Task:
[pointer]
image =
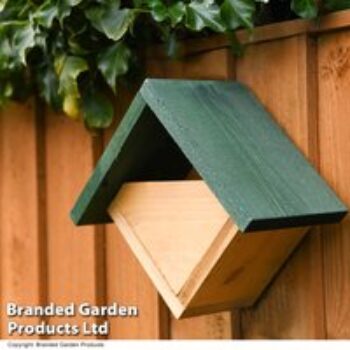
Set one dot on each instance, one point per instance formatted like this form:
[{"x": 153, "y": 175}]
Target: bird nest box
[{"x": 208, "y": 192}]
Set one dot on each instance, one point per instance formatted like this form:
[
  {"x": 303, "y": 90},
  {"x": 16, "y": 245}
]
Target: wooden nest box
[{"x": 210, "y": 241}]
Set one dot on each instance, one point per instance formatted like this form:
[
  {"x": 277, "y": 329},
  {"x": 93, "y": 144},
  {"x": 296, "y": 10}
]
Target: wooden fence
[{"x": 301, "y": 72}]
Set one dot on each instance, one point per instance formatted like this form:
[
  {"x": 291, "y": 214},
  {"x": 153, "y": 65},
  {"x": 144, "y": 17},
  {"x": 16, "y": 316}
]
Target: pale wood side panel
[
  {"x": 282, "y": 75},
  {"x": 20, "y": 230},
  {"x": 244, "y": 267},
  {"x": 75, "y": 254},
  {"x": 334, "y": 126}
]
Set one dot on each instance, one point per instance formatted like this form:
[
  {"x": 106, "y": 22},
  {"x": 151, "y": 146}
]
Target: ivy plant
[{"x": 74, "y": 53}]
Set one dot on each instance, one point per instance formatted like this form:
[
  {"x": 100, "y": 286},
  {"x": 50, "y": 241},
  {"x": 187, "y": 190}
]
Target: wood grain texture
[
  {"x": 209, "y": 266},
  {"x": 129, "y": 284},
  {"x": 241, "y": 270},
  {"x": 292, "y": 307},
  {"x": 215, "y": 326},
  {"x": 20, "y": 225},
  {"x": 150, "y": 214},
  {"x": 127, "y": 281},
  {"x": 229, "y": 138},
  {"x": 334, "y": 126},
  {"x": 157, "y": 211},
  {"x": 243, "y": 156},
  {"x": 216, "y": 64},
  {"x": 75, "y": 255}
]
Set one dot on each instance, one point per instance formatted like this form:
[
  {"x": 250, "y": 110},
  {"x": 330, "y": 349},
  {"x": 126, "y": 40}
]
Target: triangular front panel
[{"x": 176, "y": 224}]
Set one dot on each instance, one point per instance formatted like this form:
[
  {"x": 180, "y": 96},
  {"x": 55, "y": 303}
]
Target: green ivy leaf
[
  {"x": 6, "y": 91},
  {"x": 114, "y": 62},
  {"x": 68, "y": 32},
  {"x": 205, "y": 13},
  {"x": 64, "y": 8},
  {"x": 59, "y": 63},
  {"x": 5, "y": 51},
  {"x": 71, "y": 106},
  {"x": 46, "y": 13},
  {"x": 176, "y": 13},
  {"x": 2, "y": 4},
  {"x": 49, "y": 85},
  {"x": 23, "y": 39},
  {"x": 51, "y": 9},
  {"x": 159, "y": 10},
  {"x": 75, "y": 46},
  {"x": 111, "y": 20},
  {"x": 72, "y": 3},
  {"x": 71, "y": 69},
  {"x": 97, "y": 109},
  {"x": 304, "y": 8},
  {"x": 68, "y": 85},
  {"x": 237, "y": 13}
]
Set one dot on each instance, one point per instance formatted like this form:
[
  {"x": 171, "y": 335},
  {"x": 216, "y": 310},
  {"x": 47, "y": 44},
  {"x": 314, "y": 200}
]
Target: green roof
[{"x": 222, "y": 130}]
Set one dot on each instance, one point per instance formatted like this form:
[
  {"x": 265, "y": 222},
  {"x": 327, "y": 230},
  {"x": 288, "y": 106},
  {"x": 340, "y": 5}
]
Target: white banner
[{"x": 173, "y": 344}]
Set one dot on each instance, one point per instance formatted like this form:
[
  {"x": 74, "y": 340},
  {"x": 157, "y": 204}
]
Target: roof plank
[{"x": 256, "y": 172}]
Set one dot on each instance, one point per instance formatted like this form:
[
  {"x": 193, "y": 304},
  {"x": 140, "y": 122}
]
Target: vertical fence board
[
  {"x": 75, "y": 254},
  {"x": 334, "y": 107},
  {"x": 282, "y": 75},
  {"x": 216, "y": 64},
  {"x": 20, "y": 231},
  {"x": 127, "y": 283},
  {"x": 214, "y": 326}
]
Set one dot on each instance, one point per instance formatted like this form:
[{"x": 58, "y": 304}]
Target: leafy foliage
[
  {"x": 238, "y": 13},
  {"x": 304, "y": 8},
  {"x": 73, "y": 53}
]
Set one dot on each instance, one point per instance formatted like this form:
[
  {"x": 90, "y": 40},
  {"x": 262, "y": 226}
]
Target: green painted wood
[
  {"x": 219, "y": 127},
  {"x": 140, "y": 149}
]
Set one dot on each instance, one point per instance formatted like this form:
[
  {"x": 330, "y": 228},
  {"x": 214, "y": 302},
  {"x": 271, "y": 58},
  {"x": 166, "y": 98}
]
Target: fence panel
[
  {"x": 75, "y": 254},
  {"x": 281, "y": 75},
  {"x": 334, "y": 126},
  {"x": 20, "y": 225},
  {"x": 46, "y": 160}
]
